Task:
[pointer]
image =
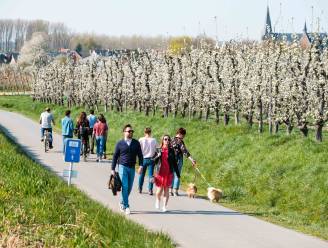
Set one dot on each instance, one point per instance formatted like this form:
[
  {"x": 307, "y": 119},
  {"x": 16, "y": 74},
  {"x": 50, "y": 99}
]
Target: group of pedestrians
[
  {"x": 89, "y": 129},
  {"x": 164, "y": 162}
]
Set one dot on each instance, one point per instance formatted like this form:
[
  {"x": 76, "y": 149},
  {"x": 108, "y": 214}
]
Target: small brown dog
[
  {"x": 191, "y": 190},
  {"x": 214, "y": 194}
]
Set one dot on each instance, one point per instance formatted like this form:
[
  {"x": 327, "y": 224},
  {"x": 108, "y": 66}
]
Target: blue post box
[{"x": 72, "y": 150}]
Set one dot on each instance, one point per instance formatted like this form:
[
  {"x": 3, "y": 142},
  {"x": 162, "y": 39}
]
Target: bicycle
[{"x": 46, "y": 140}]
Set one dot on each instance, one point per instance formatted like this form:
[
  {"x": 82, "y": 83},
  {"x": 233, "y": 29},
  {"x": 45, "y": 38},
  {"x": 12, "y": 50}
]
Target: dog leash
[{"x": 209, "y": 185}]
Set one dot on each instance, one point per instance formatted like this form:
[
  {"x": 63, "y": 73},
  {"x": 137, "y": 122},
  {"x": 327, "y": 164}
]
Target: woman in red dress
[{"x": 165, "y": 166}]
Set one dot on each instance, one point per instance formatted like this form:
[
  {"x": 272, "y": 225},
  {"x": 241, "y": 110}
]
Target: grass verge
[{"x": 37, "y": 209}]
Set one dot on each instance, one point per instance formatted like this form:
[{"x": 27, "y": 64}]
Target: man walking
[
  {"x": 67, "y": 128},
  {"x": 92, "y": 121},
  {"x": 46, "y": 118},
  {"x": 148, "y": 148},
  {"x": 180, "y": 150},
  {"x": 126, "y": 152}
]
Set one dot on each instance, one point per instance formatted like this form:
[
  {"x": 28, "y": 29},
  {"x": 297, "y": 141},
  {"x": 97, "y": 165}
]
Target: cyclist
[
  {"x": 46, "y": 118},
  {"x": 83, "y": 129}
]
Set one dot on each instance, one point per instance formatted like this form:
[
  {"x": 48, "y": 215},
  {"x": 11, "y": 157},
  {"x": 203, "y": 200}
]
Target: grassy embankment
[
  {"x": 37, "y": 209},
  {"x": 279, "y": 178}
]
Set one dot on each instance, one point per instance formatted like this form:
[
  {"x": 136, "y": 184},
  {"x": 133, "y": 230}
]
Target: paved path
[{"x": 190, "y": 222}]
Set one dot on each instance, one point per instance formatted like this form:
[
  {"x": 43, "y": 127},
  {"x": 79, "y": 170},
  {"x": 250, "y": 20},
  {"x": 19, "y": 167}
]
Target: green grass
[
  {"x": 37, "y": 209},
  {"x": 279, "y": 178}
]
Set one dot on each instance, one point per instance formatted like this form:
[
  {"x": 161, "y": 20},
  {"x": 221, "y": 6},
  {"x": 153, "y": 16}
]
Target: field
[{"x": 280, "y": 178}]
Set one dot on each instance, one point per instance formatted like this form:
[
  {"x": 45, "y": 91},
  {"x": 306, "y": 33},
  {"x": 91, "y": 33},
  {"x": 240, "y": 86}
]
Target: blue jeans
[
  {"x": 65, "y": 137},
  {"x": 127, "y": 177},
  {"x": 100, "y": 141},
  {"x": 176, "y": 180},
  {"x": 147, "y": 162},
  {"x": 50, "y": 131}
]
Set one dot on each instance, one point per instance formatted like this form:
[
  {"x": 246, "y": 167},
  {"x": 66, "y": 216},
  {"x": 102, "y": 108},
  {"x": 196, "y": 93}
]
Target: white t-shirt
[
  {"x": 148, "y": 147},
  {"x": 46, "y": 119}
]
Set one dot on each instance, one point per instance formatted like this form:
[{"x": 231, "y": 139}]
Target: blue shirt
[
  {"x": 92, "y": 120},
  {"x": 67, "y": 126},
  {"x": 127, "y": 154}
]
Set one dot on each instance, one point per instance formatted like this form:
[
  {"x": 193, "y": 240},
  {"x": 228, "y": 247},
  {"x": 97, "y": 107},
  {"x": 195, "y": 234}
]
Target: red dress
[{"x": 164, "y": 177}]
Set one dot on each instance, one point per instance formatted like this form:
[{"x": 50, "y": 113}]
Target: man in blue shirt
[
  {"x": 67, "y": 128},
  {"x": 126, "y": 152},
  {"x": 92, "y": 121}
]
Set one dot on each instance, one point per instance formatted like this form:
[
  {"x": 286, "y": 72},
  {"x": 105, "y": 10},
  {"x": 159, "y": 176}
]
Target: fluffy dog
[
  {"x": 191, "y": 190},
  {"x": 214, "y": 194}
]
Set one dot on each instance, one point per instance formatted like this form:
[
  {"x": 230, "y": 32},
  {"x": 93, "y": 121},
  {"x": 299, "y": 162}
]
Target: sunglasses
[
  {"x": 130, "y": 131},
  {"x": 167, "y": 139}
]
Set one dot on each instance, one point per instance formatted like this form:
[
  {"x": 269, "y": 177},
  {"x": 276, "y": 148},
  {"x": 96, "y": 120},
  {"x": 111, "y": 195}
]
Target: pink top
[{"x": 100, "y": 129}]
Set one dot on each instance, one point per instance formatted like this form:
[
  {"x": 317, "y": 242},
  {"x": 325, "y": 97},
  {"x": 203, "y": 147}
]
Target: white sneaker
[
  {"x": 127, "y": 211},
  {"x": 164, "y": 209},
  {"x": 121, "y": 208},
  {"x": 157, "y": 204},
  {"x": 100, "y": 159}
]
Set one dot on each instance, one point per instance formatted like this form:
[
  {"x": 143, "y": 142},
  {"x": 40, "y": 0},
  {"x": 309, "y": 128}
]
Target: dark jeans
[
  {"x": 176, "y": 180},
  {"x": 147, "y": 163},
  {"x": 65, "y": 137},
  {"x": 50, "y": 131},
  {"x": 92, "y": 140}
]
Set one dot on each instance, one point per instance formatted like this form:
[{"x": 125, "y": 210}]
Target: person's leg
[
  {"x": 131, "y": 174},
  {"x": 42, "y": 133},
  {"x": 125, "y": 186},
  {"x": 64, "y": 143},
  {"x": 165, "y": 198},
  {"x": 150, "y": 176},
  {"x": 98, "y": 146},
  {"x": 101, "y": 146},
  {"x": 105, "y": 141},
  {"x": 92, "y": 141},
  {"x": 158, "y": 196},
  {"x": 142, "y": 175},
  {"x": 176, "y": 181},
  {"x": 50, "y": 135}
]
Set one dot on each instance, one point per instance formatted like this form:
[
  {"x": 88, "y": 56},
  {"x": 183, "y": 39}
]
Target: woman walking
[
  {"x": 165, "y": 165},
  {"x": 82, "y": 127},
  {"x": 100, "y": 130}
]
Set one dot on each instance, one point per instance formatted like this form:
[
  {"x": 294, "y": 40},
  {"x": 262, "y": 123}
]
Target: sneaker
[
  {"x": 140, "y": 191},
  {"x": 157, "y": 204},
  {"x": 122, "y": 209},
  {"x": 127, "y": 211},
  {"x": 42, "y": 140},
  {"x": 100, "y": 159},
  {"x": 150, "y": 192},
  {"x": 176, "y": 193},
  {"x": 171, "y": 192},
  {"x": 97, "y": 160},
  {"x": 164, "y": 209},
  {"x": 105, "y": 156}
]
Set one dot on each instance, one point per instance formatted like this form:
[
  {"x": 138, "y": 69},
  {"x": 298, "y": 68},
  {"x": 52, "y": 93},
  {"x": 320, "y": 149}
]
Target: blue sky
[{"x": 235, "y": 18}]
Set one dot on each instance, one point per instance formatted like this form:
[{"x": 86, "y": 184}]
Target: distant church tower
[{"x": 268, "y": 27}]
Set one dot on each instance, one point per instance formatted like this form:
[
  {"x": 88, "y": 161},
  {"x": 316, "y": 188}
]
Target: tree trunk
[
  {"x": 207, "y": 115},
  {"x": 318, "y": 134},
  {"x": 304, "y": 129},
  {"x": 260, "y": 117},
  {"x": 270, "y": 126},
  {"x": 237, "y": 119},
  {"x": 226, "y": 119},
  {"x": 276, "y": 127}
]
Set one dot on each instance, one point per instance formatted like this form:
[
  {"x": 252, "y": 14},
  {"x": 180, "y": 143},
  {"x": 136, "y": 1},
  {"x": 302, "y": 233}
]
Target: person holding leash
[{"x": 180, "y": 150}]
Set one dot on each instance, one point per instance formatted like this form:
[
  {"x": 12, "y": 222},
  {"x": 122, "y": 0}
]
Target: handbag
[{"x": 115, "y": 183}]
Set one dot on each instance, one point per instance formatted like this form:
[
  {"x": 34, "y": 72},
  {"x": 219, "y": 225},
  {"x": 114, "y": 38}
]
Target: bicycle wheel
[{"x": 46, "y": 144}]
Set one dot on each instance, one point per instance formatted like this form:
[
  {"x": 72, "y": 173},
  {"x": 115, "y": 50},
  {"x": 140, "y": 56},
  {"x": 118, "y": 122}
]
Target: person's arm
[
  {"x": 139, "y": 152},
  {"x": 40, "y": 121},
  {"x": 187, "y": 153},
  {"x": 53, "y": 119},
  {"x": 115, "y": 157}
]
